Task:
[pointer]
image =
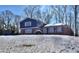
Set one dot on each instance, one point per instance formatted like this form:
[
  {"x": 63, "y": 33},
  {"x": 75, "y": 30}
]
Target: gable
[{"x": 28, "y": 23}]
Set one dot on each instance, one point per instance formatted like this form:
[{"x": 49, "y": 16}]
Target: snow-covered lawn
[{"x": 39, "y": 44}]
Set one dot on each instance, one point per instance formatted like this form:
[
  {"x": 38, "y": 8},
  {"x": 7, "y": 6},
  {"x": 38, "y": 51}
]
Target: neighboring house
[
  {"x": 29, "y": 26},
  {"x": 58, "y": 28}
]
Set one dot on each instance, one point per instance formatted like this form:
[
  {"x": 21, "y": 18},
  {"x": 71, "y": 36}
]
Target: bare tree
[
  {"x": 7, "y": 16},
  {"x": 2, "y": 23},
  {"x": 30, "y": 10},
  {"x": 17, "y": 23},
  {"x": 70, "y": 18},
  {"x": 34, "y": 11},
  {"x": 65, "y": 14},
  {"x": 75, "y": 10},
  {"x": 47, "y": 14},
  {"x": 56, "y": 10}
]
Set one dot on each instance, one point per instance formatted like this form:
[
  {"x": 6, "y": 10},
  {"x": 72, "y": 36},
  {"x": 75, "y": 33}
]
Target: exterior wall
[
  {"x": 31, "y": 30},
  {"x": 53, "y": 29},
  {"x": 65, "y": 30},
  {"x": 68, "y": 30},
  {"x": 27, "y": 29},
  {"x": 33, "y": 23}
]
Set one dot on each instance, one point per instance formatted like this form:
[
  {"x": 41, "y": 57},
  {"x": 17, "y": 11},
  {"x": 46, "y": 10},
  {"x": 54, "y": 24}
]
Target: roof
[
  {"x": 38, "y": 23},
  {"x": 33, "y": 19},
  {"x": 57, "y": 24},
  {"x": 26, "y": 19}
]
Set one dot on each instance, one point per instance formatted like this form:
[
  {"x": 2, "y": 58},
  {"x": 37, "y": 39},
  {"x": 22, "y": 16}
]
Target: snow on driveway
[{"x": 39, "y": 44}]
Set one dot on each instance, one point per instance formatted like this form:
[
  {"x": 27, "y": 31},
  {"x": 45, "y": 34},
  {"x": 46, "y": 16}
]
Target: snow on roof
[{"x": 57, "y": 24}]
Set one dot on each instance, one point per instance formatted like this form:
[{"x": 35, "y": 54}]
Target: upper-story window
[{"x": 28, "y": 23}]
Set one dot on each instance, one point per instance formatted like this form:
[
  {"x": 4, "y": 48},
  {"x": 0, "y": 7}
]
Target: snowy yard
[{"x": 39, "y": 44}]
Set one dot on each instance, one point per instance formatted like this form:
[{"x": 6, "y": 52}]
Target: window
[
  {"x": 59, "y": 29},
  {"x": 51, "y": 29},
  {"x": 28, "y": 23}
]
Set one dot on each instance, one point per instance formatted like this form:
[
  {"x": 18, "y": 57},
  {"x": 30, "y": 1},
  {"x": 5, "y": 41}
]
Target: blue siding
[{"x": 33, "y": 23}]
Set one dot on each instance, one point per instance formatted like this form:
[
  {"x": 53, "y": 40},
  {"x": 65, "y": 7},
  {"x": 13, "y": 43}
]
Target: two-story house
[{"x": 30, "y": 26}]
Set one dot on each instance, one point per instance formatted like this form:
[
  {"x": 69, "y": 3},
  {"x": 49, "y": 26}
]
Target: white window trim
[{"x": 28, "y": 23}]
